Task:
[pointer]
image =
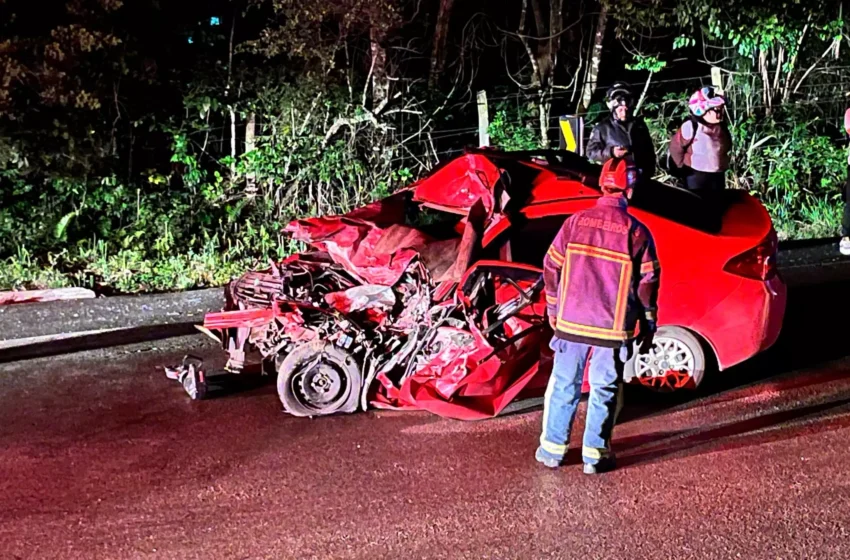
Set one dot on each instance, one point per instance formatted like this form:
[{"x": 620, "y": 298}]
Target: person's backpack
[{"x": 669, "y": 165}]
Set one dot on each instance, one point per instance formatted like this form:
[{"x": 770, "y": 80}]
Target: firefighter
[
  {"x": 702, "y": 146},
  {"x": 601, "y": 275},
  {"x": 622, "y": 134}
]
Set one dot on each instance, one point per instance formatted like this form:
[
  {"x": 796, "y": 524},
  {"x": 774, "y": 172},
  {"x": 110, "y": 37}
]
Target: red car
[{"x": 433, "y": 298}]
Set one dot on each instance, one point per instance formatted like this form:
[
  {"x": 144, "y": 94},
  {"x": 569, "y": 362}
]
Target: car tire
[
  {"x": 318, "y": 379},
  {"x": 673, "y": 346}
]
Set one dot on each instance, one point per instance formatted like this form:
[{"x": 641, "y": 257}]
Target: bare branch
[
  {"x": 309, "y": 114},
  {"x": 643, "y": 93},
  {"x": 521, "y": 35},
  {"x": 401, "y": 110},
  {"x": 595, "y": 60},
  {"x": 535, "y": 81},
  {"x": 368, "y": 81},
  {"x": 415, "y": 14},
  {"x": 416, "y": 134},
  {"x": 509, "y": 73},
  {"x": 828, "y": 50},
  {"x": 351, "y": 123}
]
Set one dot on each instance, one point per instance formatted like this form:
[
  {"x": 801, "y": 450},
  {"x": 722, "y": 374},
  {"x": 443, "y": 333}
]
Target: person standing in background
[
  {"x": 702, "y": 146},
  {"x": 622, "y": 134},
  {"x": 844, "y": 246}
]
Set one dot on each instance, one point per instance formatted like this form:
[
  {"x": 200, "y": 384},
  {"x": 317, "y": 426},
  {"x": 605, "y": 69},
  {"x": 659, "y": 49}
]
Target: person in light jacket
[{"x": 702, "y": 146}]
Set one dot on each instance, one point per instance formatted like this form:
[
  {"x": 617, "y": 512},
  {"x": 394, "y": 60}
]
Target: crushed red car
[{"x": 433, "y": 299}]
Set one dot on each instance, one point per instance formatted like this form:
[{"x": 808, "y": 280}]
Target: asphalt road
[{"x": 102, "y": 457}]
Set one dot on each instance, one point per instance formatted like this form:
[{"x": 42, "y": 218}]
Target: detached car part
[{"x": 190, "y": 374}]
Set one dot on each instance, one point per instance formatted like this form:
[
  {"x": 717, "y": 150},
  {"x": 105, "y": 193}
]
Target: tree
[
  {"x": 312, "y": 38},
  {"x": 590, "y": 81},
  {"x": 770, "y": 37},
  {"x": 542, "y": 50},
  {"x": 441, "y": 35}
]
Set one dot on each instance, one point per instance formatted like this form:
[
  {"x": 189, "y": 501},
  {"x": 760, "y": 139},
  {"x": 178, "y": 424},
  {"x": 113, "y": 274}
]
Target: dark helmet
[{"x": 619, "y": 94}]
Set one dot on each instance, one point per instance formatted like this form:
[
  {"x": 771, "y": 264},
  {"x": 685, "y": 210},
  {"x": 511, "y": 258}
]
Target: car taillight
[{"x": 759, "y": 263}]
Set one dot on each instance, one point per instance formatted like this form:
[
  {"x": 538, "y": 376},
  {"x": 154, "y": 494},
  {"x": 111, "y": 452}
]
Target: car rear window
[
  {"x": 683, "y": 206},
  {"x": 670, "y": 202},
  {"x": 530, "y": 238}
]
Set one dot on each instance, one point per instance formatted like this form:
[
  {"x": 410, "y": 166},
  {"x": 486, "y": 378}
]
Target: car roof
[
  {"x": 557, "y": 182},
  {"x": 540, "y": 183}
]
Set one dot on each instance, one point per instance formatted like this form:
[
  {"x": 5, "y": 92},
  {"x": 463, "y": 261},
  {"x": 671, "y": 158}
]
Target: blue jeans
[{"x": 564, "y": 391}]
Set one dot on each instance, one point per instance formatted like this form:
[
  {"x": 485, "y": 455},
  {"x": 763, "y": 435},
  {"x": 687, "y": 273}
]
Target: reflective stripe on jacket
[{"x": 601, "y": 275}]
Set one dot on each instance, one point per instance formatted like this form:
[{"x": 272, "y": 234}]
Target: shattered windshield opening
[{"x": 438, "y": 224}]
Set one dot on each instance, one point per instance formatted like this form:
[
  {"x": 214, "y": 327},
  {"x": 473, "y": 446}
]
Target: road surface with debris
[{"x": 103, "y": 457}]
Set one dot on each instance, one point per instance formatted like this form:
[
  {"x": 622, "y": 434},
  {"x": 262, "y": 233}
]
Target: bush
[
  {"x": 791, "y": 163},
  {"x": 512, "y": 127},
  {"x": 790, "y": 159},
  {"x": 210, "y": 216}
]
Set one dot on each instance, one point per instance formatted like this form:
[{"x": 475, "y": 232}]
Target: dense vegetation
[{"x": 150, "y": 145}]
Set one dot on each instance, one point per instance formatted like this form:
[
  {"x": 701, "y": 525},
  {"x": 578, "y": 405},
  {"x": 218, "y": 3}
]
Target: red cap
[{"x": 618, "y": 175}]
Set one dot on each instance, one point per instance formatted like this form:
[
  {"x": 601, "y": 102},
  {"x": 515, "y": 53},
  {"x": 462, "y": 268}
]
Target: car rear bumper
[
  {"x": 775, "y": 315},
  {"x": 747, "y": 322}
]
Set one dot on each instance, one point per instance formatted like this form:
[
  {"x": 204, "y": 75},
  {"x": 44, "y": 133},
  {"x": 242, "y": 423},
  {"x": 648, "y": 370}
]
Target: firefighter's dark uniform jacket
[{"x": 601, "y": 275}]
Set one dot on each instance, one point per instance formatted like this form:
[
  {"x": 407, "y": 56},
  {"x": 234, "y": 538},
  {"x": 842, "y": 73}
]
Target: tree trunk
[
  {"x": 535, "y": 69},
  {"x": 543, "y": 108},
  {"x": 441, "y": 35},
  {"x": 542, "y": 54},
  {"x": 556, "y": 27},
  {"x": 548, "y": 48},
  {"x": 232, "y": 140},
  {"x": 538, "y": 18},
  {"x": 380, "y": 81},
  {"x": 250, "y": 146},
  {"x": 227, "y": 95},
  {"x": 595, "y": 59}
]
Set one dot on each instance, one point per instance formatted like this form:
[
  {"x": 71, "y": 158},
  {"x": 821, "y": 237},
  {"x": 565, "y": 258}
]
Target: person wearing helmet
[
  {"x": 622, "y": 133},
  {"x": 702, "y": 146},
  {"x": 601, "y": 275}
]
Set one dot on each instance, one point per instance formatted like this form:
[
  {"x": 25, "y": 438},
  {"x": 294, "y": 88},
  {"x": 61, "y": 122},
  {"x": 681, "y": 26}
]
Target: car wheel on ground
[
  {"x": 675, "y": 361},
  {"x": 317, "y": 379}
]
